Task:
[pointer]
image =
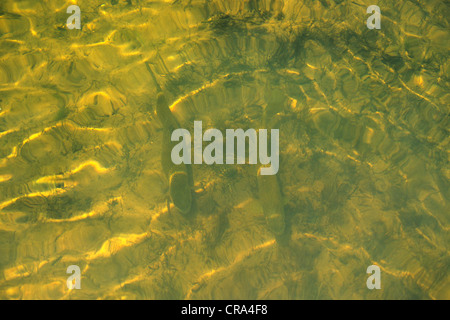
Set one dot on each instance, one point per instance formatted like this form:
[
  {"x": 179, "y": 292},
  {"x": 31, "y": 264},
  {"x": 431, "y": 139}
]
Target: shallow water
[{"x": 364, "y": 148}]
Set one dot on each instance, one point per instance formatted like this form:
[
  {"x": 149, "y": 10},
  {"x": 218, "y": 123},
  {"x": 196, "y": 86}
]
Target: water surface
[{"x": 364, "y": 148}]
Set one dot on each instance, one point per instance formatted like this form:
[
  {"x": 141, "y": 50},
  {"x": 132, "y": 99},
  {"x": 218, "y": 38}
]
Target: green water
[{"x": 364, "y": 149}]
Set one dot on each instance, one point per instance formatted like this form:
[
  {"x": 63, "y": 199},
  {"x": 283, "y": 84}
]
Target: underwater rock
[
  {"x": 180, "y": 176},
  {"x": 164, "y": 114},
  {"x": 272, "y": 203},
  {"x": 180, "y": 191}
]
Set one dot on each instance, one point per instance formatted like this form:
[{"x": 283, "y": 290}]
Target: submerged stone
[
  {"x": 164, "y": 114},
  {"x": 180, "y": 176},
  {"x": 272, "y": 202},
  {"x": 180, "y": 191}
]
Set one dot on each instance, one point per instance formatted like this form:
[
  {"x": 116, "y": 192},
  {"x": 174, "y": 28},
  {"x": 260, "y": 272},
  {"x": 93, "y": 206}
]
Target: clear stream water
[{"x": 364, "y": 149}]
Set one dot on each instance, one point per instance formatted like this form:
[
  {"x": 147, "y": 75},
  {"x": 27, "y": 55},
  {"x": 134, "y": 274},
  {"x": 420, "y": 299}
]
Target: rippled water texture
[{"x": 364, "y": 149}]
